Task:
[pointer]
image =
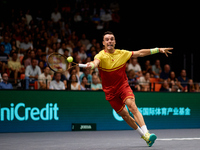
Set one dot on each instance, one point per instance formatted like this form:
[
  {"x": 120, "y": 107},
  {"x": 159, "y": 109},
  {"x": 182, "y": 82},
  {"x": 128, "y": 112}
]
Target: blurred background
[{"x": 75, "y": 27}]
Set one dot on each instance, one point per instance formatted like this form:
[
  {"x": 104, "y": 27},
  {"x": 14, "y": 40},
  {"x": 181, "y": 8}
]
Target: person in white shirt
[
  {"x": 57, "y": 84},
  {"x": 135, "y": 66},
  {"x": 56, "y": 16},
  {"x": 74, "y": 82},
  {"x": 32, "y": 72},
  {"x": 44, "y": 79}
]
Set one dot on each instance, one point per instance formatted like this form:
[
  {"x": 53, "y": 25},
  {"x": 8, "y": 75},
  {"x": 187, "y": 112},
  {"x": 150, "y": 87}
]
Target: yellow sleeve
[
  {"x": 98, "y": 56},
  {"x": 126, "y": 54}
]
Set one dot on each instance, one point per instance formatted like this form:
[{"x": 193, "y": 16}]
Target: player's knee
[
  {"x": 125, "y": 117},
  {"x": 133, "y": 108}
]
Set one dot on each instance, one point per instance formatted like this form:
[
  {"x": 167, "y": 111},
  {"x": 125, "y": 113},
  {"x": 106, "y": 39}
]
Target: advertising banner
[{"x": 30, "y": 111}]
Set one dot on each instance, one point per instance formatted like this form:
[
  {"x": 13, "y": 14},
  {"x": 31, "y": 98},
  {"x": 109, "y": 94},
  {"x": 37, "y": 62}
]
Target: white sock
[
  {"x": 140, "y": 131},
  {"x": 144, "y": 129}
]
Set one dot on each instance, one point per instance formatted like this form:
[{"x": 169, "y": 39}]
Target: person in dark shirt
[
  {"x": 4, "y": 84},
  {"x": 183, "y": 79},
  {"x": 165, "y": 87},
  {"x": 165, "y": 73},
  {"x": 3, "y": 58}
]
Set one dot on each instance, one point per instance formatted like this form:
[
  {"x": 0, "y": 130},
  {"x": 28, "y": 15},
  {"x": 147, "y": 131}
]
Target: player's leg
[
  {"x": 130, "y": 121},
  {"x": 130, "y": 102},
  {"x": 149, "y": 138},
  {"x": 118, "y": 105}
]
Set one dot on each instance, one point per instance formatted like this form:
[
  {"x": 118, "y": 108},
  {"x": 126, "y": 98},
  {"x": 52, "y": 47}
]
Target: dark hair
[
  {"x": 57, "y": 73},
  {"x": 107, "y": 32},
  {"x": 33, "y": 59},
  {"x": 70, "y": 78},
  {"x": 84, "y": 77}
]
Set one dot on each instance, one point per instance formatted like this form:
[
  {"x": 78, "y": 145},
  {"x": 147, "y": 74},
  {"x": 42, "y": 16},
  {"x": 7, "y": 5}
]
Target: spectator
[
  {"x": 3, "y": 58},
  {"x": 57, "y": 84},
  {"x": 4, "y": 84},
  {"x": 84, "y": 84},
  {"x": 26, "y": 45},
  {"x": 86, "y": 73},
  {"x": 28, "y": 17},
  {"x": 132, "y": 80},
  {"x": 74, "y": 82},
  {"x": 61, "y": 50},
  {"x": 156, "y": 69},
  {"x": 44, "y": 79},
  {"x": 174, "y": 84},
  {"x": 77, "y": 17},
  {"x": 84, "y": 40},
  {"x": 135, "y": 66},
  {"x": 95, "y": 83},
  {"x": 193, "y": 87},
  {"x": 148, "y": 68},
  {"x": 56, "y": 17},
  {"x": 7, "y": 45},
  {"x": 27, "y": 61},
  {"x": 82, "y": 53},
  {"x": 165, "y": 73},
  {"x": 165, "y": 87},
  {"x": 184, "y": 80},
  {"x": 32, "y": 72},
  {"x": 106, "y": 18},
  {"x": 144, "y": 82},
  {"x": 15, "y": 67},
  {"x": 66, "y": 52},
  {"x": 41, "y": 65},
  {"x": 63, "y": 79}
]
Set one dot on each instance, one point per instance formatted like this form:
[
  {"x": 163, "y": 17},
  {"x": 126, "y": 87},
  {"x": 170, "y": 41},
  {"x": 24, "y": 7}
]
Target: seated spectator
[
  {"x": 132, "y": 80},
  {"x": 144, "y": 82},
  {"x": 44, "y": 79},
  {"x": 84, "y": 84},
  {"x": 27, "y": 61},
  {"x": 156, "y": 69},
  {"x": 41, "y": 65},
  {"x": 95, "y": 83},
  {"x": 15, "y": 67},
  {"x": 133, "y": 65},
  {"x": 32, "y": 72},
  {"x": 7, "y": 45},
  {"x": 184, "y": 80},
  {"x": 84, "y": 40},
  {"x": 165, "y": 87},
  {"x": 26, "y": 45},
  {"x": 61, "y": 50},
  {"x": 165, "y": 73},
  {"x": 82, "y": 53},
  {"x": 4, "y": 84},
  {"x": 174, "y": 84},
  {"x": 3, "y": 58},
  {"x": 57, "y": 84},
  {"x": 86, "y": 72},
  {"x": 63, "y": 79},
  {"x": 148, "y": 68},
  {"x": 39, "y": 54},
  {"x": 74, "y": 82}
]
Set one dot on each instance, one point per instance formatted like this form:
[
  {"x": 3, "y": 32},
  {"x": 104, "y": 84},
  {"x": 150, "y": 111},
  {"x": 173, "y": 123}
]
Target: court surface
[{"x": 180, "y": 139}]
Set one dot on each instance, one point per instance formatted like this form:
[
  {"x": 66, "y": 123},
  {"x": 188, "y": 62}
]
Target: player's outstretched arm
[
  {"x": 145, "y": 52},
  {"x": 93, "y": 64}
]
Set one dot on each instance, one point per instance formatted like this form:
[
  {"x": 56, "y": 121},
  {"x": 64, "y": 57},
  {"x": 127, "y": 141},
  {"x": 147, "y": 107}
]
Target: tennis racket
[{"x": 58, "y": 63}]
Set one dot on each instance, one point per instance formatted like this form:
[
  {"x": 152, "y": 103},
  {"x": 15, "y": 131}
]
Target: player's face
[{"x": 109, "y": 41}]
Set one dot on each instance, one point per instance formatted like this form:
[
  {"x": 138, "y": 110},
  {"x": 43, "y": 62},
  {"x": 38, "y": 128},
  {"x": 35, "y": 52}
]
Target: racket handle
[{"x": 82, "y": 65}]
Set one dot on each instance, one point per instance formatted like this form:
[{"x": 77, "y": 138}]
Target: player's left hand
[{"x": 165, "y": 50}]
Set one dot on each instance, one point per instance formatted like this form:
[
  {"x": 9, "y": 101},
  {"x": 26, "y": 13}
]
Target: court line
[{"x": 178, "y": 139}]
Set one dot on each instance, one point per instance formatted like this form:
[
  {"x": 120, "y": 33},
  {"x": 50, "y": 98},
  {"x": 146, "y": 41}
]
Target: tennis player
[{"x": 111, "y": 63}]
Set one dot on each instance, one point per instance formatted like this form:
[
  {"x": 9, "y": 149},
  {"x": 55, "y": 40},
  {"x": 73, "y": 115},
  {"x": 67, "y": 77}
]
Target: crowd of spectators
[{"x": 28, "y": 38}]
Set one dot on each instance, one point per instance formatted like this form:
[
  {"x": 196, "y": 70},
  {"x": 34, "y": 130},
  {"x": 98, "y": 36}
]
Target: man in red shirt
[{"x": 112, "y": 64}]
